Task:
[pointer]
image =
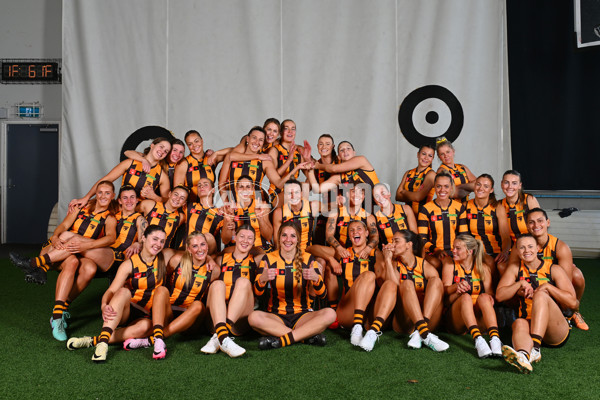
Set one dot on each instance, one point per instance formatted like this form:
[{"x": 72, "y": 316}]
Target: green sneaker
[{"x": 58, "y": 329}]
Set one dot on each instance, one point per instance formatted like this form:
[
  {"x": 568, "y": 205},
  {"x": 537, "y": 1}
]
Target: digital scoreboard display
[{"x": 31, "y": 71}]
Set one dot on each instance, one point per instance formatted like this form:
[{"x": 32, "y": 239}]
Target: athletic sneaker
[
  {"x": 231, "y": 348},
  {"x": 268, "y": 342},
  {"x": 434, "y": 343},
  {"x": 335, "y": 324},
  {"x": 415, "y": 340},
  {"x": 579, "y": 322},
  {"x": 318, "y": 340},
  {"x": 496, "y": 346},
  {"x": 65, "y": 316},
  {"x": 368, "y": 341},
  {"x": 80, "y": 342},
  {"x": 132, "y": 344},
  {"x": 516, "y": 359},
  {"x": 535, "y": 356},
  {"x": 32, "y": 274},
  {"x": 100, "y": 352},
  {"x": 160, "y": 349},
  {"x": 212, "y": 346},
  {"x": 356, "y": 334},
  {"x": 58, "y": 329},
  {"x": 483, "y": 350}
]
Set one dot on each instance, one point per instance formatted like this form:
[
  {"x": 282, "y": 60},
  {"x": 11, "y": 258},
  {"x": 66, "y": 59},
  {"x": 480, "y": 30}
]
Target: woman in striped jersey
[
  {"x": 462, "y": 176},
  {"x": 416, "y": 186},
  {"x": 230, "y": 297},
  {"x": 516, "y": 204},
  {"x": 129, "y": 298}
]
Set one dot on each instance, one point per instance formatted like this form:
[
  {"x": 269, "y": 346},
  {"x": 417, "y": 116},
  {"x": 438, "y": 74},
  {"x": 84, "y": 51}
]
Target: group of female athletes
[{"x": 351, "y": 258}]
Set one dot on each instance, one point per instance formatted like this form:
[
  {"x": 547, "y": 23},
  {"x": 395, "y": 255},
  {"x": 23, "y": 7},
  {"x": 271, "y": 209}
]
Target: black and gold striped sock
[
  {"x": 42, "y": 262},
  {"x": 493, "y": 331},
  {"x": 105, "y": 335},
  {"x": 524, "y": 352},
  {"x": 333, "y": 304},
  {"x": 158, "y": 332},
  {"x": 474, "y": 331},
  {"x": 287, "y": 339},
  {"x": 423, "y": 328},
  {"x": 151, "y": 339},
  {"x": 230, "y": 324},
  {"x": 537, "y": 341},
  {"x": 359, "y": 316},
  {"x": 377, "y": 324},
  {"x": 95, "y": 340},
  {"x": 59, "y": 309},
  {"x": 221, "y": 331}
]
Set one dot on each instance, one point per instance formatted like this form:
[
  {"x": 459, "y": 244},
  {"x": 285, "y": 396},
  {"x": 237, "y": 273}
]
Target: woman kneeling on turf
[
  {"x": 469, "y": 298},
  {"x": 543, "y": 288},
  {"x": 291, "y": 273},
  {"x": 134, "y": 285},
  {"x": 181, "y": 306},
  {"x": 230, "y": 297},
  {"x": 420, "y": 291}
]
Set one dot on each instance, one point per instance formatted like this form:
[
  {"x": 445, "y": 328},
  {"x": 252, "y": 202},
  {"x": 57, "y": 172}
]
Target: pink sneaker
[
  {"x": 160, "y": 349},
  {"x": 132, "y": 344}
]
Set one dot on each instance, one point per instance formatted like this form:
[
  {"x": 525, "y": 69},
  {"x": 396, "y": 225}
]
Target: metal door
[{"x": 31, "y": 181}]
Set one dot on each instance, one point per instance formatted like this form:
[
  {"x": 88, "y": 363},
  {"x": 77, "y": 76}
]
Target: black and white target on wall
[{"x": 428, "y": 113}]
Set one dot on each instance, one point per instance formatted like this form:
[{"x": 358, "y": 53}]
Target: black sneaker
[
  {"x": 37, "y": 275},
  {"x": 317, "y": 340},
  {"x": 269, "y": 342}
]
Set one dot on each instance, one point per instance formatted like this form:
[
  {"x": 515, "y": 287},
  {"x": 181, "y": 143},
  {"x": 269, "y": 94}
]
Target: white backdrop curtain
[{"x": 341, "y": 67}]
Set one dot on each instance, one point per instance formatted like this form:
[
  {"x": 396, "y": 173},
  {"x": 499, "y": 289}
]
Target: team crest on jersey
[
  {"x": 418, "y": 285},
  {"x": 488, "y": 222},
  {"x": 305, "y": 224}
]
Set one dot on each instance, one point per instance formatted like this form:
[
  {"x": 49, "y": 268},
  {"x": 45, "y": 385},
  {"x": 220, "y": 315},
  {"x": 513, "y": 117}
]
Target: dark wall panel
[{"x": 554, "y": 98}]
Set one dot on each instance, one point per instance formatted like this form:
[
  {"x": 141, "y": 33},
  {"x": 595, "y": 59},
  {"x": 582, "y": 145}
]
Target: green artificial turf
[{"x": 34, "y": 365}]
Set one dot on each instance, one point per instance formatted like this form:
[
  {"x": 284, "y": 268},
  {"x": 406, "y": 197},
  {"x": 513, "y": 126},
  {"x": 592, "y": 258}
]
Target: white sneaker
[
  {"x": 368, "y": 341},
  {"x": 496, "y": 346},
  {"x": 212, "y": 346},
  {"x": 100, "y": 352},
  {"x": 535, "y": 355},
  {"x": 356, "y": 334},
  {"x": 483, "y": 350},
  {"x": 231, "y": 348},
  {"x": 415, "y": 340},
  {"x": 516, "y": 359},
  {"x": 434, "y": 343}
]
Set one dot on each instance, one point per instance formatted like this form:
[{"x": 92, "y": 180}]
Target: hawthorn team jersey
[
  {"x": 483, "y": 225},
  {"x": 321, "y": 175},
  {"x": 459, "y": 175},
  {"x": 343, "y": 220},
  {"x": 247, "y": 215},
  {"x": 126, "y": 231},
  {"x": 137, "y": 178},
  {"x": 171, "y": 174},
  {"x": 252, "y": 168},
  {"x": 232, "y": 269},
  {"x": 353, "y": 266},
  {"x": 282, "y": 155},
  {"x": 515, "y": 214},
  {"x": 90, "y": 225},
  {"x": 540, "y": 276},
  {"x": 360, "y": 176},
  {"x": 303, "y": 219},
  {"x": 387, "y": 225},
  {"x": 289, "y": 295},
  {"x": 197, "y": 169},
  {"x": 204, "y": 219},
  {"x": 472, "y": 277},
  {"x": 439, "y": 226},
  {"x": 143, "y": 281},
  {"x": 548, "y": 252},
  {"x": 413, "y": 182},
  {"x": 169, "y": 221},
  {"x": 415, "y": 273},
  {"x": 184, "y": 294}
]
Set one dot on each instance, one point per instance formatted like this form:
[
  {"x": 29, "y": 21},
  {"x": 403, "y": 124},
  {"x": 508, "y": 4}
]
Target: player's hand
[
  {"x": 342, "y": 252},
  {"x": 77, "y": 204},
  {"x": 268, "y": 274},
  {"x": 146, "y": 167},
  {"x": 336, "y": 267},
  {"x": 108, "y": 313},
  {"x": 364, "y": 254},
  {"x": 309, "y": 274},
  {"x": 133, "y": 249}
]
